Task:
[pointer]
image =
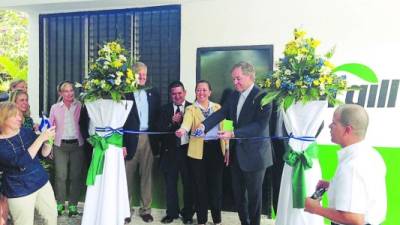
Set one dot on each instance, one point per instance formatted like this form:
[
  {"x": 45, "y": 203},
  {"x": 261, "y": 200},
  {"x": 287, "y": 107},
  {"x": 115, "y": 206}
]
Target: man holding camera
[{"x": 357, "y": 192}]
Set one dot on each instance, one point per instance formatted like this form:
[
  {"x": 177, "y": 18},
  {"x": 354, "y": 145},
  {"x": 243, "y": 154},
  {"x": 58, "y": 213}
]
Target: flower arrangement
[
  {"x": 110, "y": 75},
  {"x": 302, "y": 75}
]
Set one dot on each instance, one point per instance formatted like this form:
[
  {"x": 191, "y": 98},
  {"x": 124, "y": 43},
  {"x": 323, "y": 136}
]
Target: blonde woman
[
  {"x": 25, "y": 182},
  {"x": 18, "y": 85},
  {"x": 206, "y": 155},
  {"x": 21, "y": 100},
  {"x": 68, "y": 148},
  {"x": 14, "y": 85}
]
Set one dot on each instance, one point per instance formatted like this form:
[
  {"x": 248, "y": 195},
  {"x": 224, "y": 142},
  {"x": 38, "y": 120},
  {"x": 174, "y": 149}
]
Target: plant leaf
[
  {"x": 359, "y": 70},
  {"x": 8, "y": 65},
  {"x": 287, "y": 102},
  {"x": 271, "y": 95}
]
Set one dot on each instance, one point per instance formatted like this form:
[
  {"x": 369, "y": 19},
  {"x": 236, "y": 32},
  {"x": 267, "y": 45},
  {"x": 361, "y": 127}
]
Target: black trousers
[
  {"x": 172, "y": 167},
  {"x": 208, "y": 181},
  {"x": 247, "y": 192}
]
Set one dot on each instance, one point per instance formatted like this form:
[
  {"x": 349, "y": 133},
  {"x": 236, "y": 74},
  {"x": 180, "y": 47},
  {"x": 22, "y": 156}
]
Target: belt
[{"x": 69, "y": 141}]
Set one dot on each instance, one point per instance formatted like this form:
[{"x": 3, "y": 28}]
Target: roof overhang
[{"x": 54, "y": 6}]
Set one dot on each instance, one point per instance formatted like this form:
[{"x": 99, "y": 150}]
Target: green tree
[{"x": 14, "y": 44}]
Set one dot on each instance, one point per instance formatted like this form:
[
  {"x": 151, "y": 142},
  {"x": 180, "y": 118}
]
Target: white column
[{"x": 33, "y": 64}]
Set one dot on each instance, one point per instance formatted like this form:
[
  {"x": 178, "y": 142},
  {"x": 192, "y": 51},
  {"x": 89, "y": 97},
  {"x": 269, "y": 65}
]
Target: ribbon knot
[
  {"x": 100, "y": 146},
  {"x": 300, "y": 161}
]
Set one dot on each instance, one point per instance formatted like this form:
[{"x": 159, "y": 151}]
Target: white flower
[
  {"x": 119, "y": 74},
  {"x": 105, "y": 67},
  {"x": 118, "y": 81},
  {"x": 103, "y": 84},
  {"x": 106, "y": 48},
  {"x": 299, "y": 57},
  {"x": 122, "y": 58},
  {"x": 325, "y": 70},
  {"x": 288, "y": 72}
]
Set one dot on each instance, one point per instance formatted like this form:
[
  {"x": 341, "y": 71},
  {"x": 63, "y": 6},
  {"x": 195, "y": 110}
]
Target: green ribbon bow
[
  {"x": 300, "y": 161},
  {"x": 100, "y": 146}
]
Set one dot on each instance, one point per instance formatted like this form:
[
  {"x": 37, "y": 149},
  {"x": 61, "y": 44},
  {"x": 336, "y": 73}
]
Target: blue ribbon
[
  {"x": 291, "y": 136},
  {"x": 110, "y": 131}
]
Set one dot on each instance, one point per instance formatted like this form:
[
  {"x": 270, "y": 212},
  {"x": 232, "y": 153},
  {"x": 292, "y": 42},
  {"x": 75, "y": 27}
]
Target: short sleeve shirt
[{"x": 359, "y": 184}]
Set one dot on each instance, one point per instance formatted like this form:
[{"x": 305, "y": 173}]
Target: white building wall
[{"x": 363, "y": 31}]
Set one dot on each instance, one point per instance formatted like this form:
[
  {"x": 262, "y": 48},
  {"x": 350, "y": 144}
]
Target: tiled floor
[{"x": 228, "y": 218}]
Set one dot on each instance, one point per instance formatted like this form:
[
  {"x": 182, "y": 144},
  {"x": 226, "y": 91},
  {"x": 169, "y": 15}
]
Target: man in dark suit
[
  {"x": 250, "y": 157},
  {"x": 140, "y": 148},
  {"x": 173, "y": 156}
]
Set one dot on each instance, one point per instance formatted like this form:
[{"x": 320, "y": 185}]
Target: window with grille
[{"x": 69, "y": 43}]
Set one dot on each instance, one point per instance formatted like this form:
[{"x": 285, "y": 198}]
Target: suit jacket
[
  {"x": 253, "y": 121},
  {"x": 192, "y": 119},
  {"x": 169, "y": 142},
  {"x": 130, "y": 141}
]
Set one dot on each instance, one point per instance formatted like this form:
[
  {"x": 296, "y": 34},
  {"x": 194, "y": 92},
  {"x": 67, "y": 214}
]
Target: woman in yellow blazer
[{"x": 206, "y": 155}]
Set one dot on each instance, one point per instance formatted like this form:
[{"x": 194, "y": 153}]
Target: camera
[{"x": 318, "y": 193}]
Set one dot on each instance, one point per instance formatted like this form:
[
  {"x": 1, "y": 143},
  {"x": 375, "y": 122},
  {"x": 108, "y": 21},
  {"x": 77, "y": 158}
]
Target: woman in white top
[{"x": 206, "y": 155}]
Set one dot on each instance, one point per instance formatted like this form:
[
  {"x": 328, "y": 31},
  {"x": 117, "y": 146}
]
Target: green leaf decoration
[
  {"x": 330, "y": 53},
  {"x": 287, "y": 102},
  {"x": 269, "y": 97},
  {"x": 359, "y": 70}
]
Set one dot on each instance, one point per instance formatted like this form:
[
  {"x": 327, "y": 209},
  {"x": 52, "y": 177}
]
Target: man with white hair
[{"x": 357, "y": 192}]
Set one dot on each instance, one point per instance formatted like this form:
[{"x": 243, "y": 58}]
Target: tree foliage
[{"x": 14, "y": 44}]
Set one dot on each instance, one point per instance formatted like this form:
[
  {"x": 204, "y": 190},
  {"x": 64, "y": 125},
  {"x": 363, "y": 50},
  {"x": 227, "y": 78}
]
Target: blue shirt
[
  {"x": 142, "y": 106},
  {"x": 22, "y": 175}
]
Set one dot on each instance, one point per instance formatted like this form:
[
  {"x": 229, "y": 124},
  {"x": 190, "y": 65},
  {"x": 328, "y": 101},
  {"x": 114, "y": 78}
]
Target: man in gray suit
[{"x": 250, "y": 156}]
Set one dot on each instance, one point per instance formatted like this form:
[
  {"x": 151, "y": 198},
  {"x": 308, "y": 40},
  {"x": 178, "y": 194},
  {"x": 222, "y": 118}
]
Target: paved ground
[{"x": 228, "y": 218}]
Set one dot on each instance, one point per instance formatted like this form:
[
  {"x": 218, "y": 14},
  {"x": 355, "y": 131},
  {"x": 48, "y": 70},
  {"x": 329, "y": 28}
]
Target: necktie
[{"x": 178, "y": 110}]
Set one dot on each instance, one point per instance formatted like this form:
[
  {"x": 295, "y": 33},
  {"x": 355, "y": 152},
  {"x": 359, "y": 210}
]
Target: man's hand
[
  {"x": 180, "y": 132},
  {"x": 225, "y": 135},
  {"x": 312, "y": 205},
  {"x": 177, "y": 117},
  {"x": 124, "y": 152}
]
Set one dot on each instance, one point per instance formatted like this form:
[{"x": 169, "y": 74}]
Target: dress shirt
[
  {"x": 359, "y": 184},
  {"x": 57, "y": 117},
  {"x": 142, "y": 106},
  {"x": 242, "y": 99},
  {"x": 69, "y": 126},
  {"x": 185, "y": 138}
]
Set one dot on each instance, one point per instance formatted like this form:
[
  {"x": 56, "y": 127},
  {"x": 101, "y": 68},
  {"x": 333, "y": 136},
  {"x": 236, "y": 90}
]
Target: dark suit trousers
[
  {"x": 247, "y": 192},
  {"x": 179, "y": 165},
  {"x": 208, "y": 180}
]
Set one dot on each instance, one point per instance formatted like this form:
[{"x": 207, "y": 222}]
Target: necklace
[
  {"x": 12, "y": 145},
  {"x": 206, "y": 112}
]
